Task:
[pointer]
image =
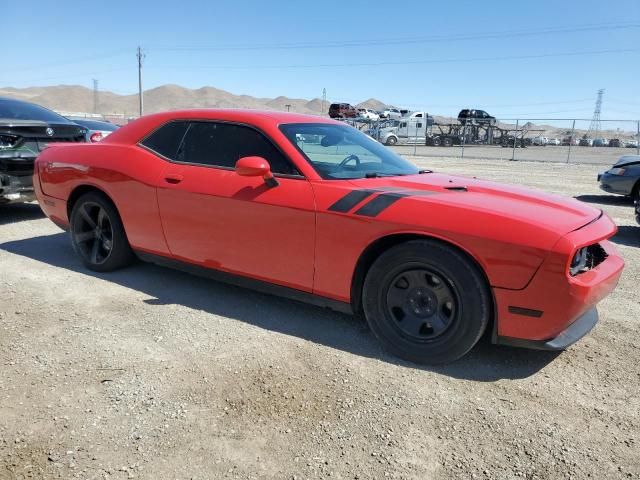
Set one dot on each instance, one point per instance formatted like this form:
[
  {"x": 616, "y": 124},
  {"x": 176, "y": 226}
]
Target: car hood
[{"x": 553, "y": 213}]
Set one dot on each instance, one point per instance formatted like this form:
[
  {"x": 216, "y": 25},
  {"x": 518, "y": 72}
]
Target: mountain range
[{"x": 76, "y": 98}]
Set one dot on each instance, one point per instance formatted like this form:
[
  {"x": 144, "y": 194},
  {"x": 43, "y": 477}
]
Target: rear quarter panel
[{"x": 127, "y": 174}]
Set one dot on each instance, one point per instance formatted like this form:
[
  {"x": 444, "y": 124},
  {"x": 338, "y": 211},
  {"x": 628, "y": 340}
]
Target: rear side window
[
  {"x": 223, "y": 144},
  {"x": 166, "y": 140}
]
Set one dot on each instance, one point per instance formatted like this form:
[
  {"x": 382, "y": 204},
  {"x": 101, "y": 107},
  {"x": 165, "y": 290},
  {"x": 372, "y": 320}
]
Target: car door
[{"x": 215, "y": 218}]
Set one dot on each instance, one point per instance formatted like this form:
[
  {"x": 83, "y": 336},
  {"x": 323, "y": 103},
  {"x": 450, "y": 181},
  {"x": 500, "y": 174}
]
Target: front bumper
[
  {"x": 574, "y": 332},
  {"x": 617, "y": 184},
  {"x": 16, "y": 189},
  {"x": 553, "y": 300}
]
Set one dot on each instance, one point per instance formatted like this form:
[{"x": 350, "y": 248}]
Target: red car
[{"x": 315, "y": 210}]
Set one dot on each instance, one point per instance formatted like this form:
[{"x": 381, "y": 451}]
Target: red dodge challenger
[{"x": 314, "y": 210}]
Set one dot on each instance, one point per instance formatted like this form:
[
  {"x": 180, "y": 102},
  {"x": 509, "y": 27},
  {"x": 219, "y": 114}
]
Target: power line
[
  {"x": 92, "y": 58},
  {"x": 408, "y": 62},
  {"x": 406, "y": 40}
]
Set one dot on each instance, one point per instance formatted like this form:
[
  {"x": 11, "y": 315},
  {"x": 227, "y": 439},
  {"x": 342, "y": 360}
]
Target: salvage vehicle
[
  {"x": 623, "y": 178},
  {"x": 25, "y": 130},
  {"x": 432, "y": 260}
]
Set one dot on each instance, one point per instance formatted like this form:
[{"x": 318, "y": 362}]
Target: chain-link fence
[{"x": 539, "y": 139}]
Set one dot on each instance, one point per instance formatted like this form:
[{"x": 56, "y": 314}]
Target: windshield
[
  {"x": 17, "y": 110},
  {"x": 342, "y": 152}
]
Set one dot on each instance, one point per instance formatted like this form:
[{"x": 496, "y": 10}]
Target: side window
[
  {"x": 222, "y": 145},
  {"x": 418, "y": 115},
  {"x": 166, "y": 139},
  {"x": 403, "y": 125},
  {"x": 419, "y": 125}
]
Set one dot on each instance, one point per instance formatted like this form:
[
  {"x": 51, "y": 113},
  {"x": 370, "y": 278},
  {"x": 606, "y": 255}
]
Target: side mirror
[{"x": 256, "y": 167}]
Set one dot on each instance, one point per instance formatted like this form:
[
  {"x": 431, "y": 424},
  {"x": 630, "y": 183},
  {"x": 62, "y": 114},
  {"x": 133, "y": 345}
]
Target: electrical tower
[
  {"x": 324, "y": 99},
  {"x": 95, "y": 95},
  {"x": 595, "y": 127}
]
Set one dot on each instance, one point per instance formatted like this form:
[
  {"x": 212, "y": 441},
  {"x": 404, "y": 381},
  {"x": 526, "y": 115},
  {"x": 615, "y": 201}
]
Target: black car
[
  {"x": 475, "y": 117},
  {"x": 25, "y": 130}
]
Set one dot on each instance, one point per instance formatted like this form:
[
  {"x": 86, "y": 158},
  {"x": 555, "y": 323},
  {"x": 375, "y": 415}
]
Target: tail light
[{"x": 95, "y": 137}]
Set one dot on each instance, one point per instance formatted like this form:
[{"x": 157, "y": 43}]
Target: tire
[
  {"x": 436, "y": 142},
  {"x": 97, "y": 234},
  {"x": 447, "y": 142},
  {"x": 440, "y": 295},
  {"x": 391, "y": 141}
]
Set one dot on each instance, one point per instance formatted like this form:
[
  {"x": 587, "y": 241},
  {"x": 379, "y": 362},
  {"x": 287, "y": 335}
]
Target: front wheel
[
  {"x": 97, "y": 234},
  {"x": 391, "y": 141},
  {"x": 426, "y": 302}
]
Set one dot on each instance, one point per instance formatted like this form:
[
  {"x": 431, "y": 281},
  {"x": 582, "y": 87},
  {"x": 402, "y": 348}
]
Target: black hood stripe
[
  {"x": 380, "y": 203},
  {"x": 387, "y": 197},
  {"x": 350, "y": 200}
]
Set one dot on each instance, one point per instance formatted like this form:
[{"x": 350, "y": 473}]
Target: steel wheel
[
  {"x": 422, "y": 303},
  {"x": 93, "y": 233}
]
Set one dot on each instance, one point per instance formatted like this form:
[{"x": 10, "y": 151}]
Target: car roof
[{"x": 263, "y": 119}]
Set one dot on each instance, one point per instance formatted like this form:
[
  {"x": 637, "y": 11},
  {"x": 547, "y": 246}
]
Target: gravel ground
[{"x": 150, "y": 373}]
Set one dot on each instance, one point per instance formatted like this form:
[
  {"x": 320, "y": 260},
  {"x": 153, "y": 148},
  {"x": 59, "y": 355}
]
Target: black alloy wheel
[
  {"x": 93, "y": 233},
  {"x": 97, "y": 234}
]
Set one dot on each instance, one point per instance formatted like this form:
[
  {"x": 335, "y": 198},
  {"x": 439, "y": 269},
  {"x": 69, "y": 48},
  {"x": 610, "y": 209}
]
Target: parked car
[
  {"x": 25, "y": 130},
  {"x": 96, "y": 129},
  {"x": 342, "y": 110},
  {"x": 392, "y": 113},
  {"x": 631, "y": 144},
  {"x": 432, "y": 260},
  {"x": 553, "y": 141},
  {"x": 586, "y": 142},
  {"x": 600, "y": 142},
  {"x": 566, "y": 141},
  {"x": 368, "y": 114},
  {"x": 540, "y": 140},
  {"x": 475, "y": 117},
  {"x": 616, "y": 142},
  {"x": 623, "y": 178}
]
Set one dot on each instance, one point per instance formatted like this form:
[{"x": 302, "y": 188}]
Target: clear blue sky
[{"x": 505, "y": 56}]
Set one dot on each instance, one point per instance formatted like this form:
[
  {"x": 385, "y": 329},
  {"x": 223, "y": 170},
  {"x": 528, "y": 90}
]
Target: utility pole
[
  {"x": 95, "y": 95},
  {"x": 140, "y": 56},
  {"x": 288, "y": 106}
]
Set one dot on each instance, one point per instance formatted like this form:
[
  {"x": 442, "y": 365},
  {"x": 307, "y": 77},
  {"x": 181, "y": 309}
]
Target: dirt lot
[{"x": 150, "y": 373}]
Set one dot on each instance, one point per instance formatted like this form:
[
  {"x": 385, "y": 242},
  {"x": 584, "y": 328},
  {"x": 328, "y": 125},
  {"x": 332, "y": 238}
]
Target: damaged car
[{"x": 25, "y": 130}]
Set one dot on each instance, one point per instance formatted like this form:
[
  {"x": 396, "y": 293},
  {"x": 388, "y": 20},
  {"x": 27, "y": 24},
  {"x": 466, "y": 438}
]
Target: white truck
[{"x": 412, "y": 129}]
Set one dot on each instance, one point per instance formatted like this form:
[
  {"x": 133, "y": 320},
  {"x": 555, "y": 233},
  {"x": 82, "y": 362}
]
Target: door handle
[{"x": 173, "y": 178}]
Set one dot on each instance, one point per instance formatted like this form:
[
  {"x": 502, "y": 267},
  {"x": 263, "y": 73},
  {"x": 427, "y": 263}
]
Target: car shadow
[
  {"x": 628, "y": 235},
  {"x": 19, "y": 212},
  {"x": 605, "y": 199},
  {"x": 485, "y": 363}
]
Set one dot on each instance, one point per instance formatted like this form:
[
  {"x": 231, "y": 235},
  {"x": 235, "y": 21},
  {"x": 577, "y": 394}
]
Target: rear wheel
[
  {"x": 447, "y": 142},
  {"x": 97, "y": 234},
  {"x": 435, "y": 141},
  {"x": 426, "y": 302}
]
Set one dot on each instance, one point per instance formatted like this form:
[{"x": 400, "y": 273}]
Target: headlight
[
  {"x": 579, "y": 262},
  {"x": 616, "y": 171}
]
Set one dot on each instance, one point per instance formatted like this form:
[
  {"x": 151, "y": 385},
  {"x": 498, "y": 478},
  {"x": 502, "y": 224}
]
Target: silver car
[
  {"x": 96, "y": 129},
  {"x": 623, "y": 178}
]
